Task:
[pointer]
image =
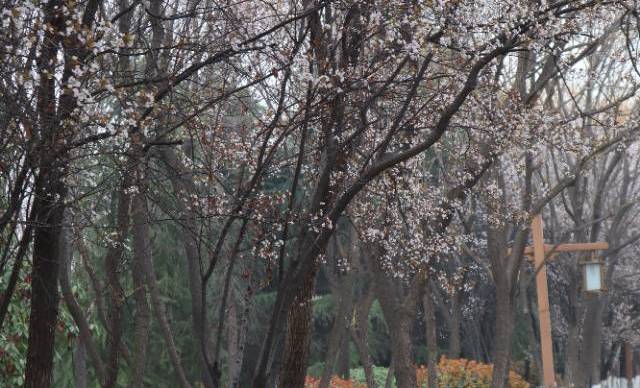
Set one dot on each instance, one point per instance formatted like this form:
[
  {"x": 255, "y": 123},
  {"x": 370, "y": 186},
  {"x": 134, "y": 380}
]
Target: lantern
[{"x": 593, "y": 274}]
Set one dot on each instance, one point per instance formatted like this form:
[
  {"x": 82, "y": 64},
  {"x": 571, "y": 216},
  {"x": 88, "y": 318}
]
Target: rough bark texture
[
  {"x": 49, "y": 209},
  {"x": 299, "y": 323},
  {"x": 503, "y": 334},
  {"x": 44, "y": 285}
]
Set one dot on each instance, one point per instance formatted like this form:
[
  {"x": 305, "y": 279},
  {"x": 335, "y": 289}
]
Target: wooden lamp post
[{"x": 592, "y": 281}]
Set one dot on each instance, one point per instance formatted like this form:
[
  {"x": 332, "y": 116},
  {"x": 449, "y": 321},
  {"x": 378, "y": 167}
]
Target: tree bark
[
  {"x": 572, "y": 353},
  {"x": 243, "y": 326},
  {"x": 344, "y": 357},
  {"x": 85, "y": 341},
  {"x": 454, "y": 325},
  {"x": 115, "y": 292},
  {"x": 503, "y": 334},
  {"x": 432, "y": 345},
  {"x": 142, "y": 316},
  {"x": 44, "y": 283},
  {"x": 80, "y": 377},
  {"x": 338, "y": 334},
  {"x": 359, "y": 334},
  {"x": 299, "y": 327},
  {"x": 49, "y": 208},
  {"x": 399, "y": 317},
  {"x": 233, "y": 337},
  {"x": 591, "y": 338}
]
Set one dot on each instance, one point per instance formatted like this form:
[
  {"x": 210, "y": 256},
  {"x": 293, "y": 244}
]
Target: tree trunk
[
  {"x": 49, "y": 209},
  {"x": 432, "y": 345},
  {"x": 232, "y": 338},
  {"x": 141, "y": 221},
  {"x": 299, "y": 325},
  {"x": 183, "y": 187},
  {"x": 534, "y": 367},
  {"x": 388, "y": 382},
  {"x": 338, "y": 335},
  {"x": 243, "y": 328},
  {"x": 141, "y": 326},
  {"x": 572, "y": 353},
  {"x": 80, "y": 363},
  {"x": 115, "y": 292},
  {"x": 344, "y": 357},
  {"x": 454, "y": 328},
  {"x": 85, "y": 341},
  {"x": 503, "y": 334},
  {"x": 359, "y": 333},
  {"x": 399, "y": 315},
  {"x": 400, "y": 322},
  {"x": 591, "y": 341},
  {"x": 44, "y": 283}
]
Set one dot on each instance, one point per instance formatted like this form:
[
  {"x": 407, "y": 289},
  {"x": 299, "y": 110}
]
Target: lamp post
[
  {"x": 593, "y": 274},
  {"x": 592, "y": 281}
]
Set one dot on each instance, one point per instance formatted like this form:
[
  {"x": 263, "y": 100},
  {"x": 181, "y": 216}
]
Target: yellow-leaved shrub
[{"x": 458, "y": 373}]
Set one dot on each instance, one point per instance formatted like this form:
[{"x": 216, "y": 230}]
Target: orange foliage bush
[
  {"x": 468, "y": 374},
  {"x": 336, "y": 382},
  {"x": 459, "y": 373}
]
